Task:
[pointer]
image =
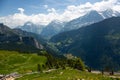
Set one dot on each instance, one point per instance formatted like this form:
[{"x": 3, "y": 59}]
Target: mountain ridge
[
  {"x": 56, "y": 26},
  {"x": 10, "y": 37},
  {"x": 91, "y": 17},
  {"x": 52, "y": 29},
  {"x": 31, "y": 27},
  {"x": 95, "y": 43}
]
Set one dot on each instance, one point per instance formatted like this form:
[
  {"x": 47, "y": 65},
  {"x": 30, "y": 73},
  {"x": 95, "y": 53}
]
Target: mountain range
[
  {"x": 97, "y": 44},
  {"x": 94, "y": 37},
  {"x": 56, "y": 26},
  {"x": 90, "y": 18}
]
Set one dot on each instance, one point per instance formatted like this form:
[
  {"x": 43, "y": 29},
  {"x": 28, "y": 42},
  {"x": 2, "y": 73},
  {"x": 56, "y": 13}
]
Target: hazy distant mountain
[
  {"x": 90, "y": 18},
  {"x": 52, "y": 29},
  {"x": 57, "y": 26},
  {"x": 13, "y": 40},
  {"x": 6, "y": 30},
  {"x": 30, "y": 27},
  {"x": 87, "y": 19},
  {"x": 97, "y": 44}
]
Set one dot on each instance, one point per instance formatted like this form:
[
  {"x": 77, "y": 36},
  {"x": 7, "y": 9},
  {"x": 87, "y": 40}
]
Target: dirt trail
[{"x": 116, "y": 74}]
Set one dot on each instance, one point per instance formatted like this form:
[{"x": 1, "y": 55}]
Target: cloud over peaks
[{"x": 69, "y": 13}]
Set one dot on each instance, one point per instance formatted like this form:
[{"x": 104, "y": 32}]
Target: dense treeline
[{"x": 63, "y": 63}]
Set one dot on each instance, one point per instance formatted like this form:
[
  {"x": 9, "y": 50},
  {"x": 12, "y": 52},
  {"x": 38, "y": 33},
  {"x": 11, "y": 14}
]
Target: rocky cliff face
[
  {"x": 9, "y": 36},
  {"x": 31, "y": 41}
]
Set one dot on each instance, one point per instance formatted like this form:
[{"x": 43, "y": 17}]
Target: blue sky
[
  {"x": 37, "y": 6},
  {"x": 17, "y": 12}
]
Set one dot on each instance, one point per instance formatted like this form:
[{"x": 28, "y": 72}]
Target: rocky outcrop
[{"x": 8, "y": 35}]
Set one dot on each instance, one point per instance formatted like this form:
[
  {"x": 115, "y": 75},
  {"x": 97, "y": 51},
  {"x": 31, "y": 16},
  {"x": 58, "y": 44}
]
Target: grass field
[
  {"x": 11, "y": 61},
  {"x": 68, "y": 74}
]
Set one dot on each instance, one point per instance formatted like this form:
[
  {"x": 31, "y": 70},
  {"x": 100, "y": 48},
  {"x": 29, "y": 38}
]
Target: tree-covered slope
[{"x": 97, "y": 44}]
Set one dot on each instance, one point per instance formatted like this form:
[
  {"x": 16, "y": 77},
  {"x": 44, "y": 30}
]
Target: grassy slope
[
  {"x": 11, "y": 61},
  {"x": 68, "y": 74}
]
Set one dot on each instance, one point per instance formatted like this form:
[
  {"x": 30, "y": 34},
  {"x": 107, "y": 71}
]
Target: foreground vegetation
[
  {"x": 45, "y": 67},
  {"x": 66, "y": 74},
  {"x": 12, "y": 61}
]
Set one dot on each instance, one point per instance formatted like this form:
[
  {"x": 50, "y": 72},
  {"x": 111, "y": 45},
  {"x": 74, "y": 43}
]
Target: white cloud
[
  {"x": 45, "y": 6},
  {"x": 105, "y": 4},
  {"x": 71, "y": 12},
  {"x": 14, "y": 20},
  {"x": 51, "y": 10},
  {"x": 21, "y": 10}
]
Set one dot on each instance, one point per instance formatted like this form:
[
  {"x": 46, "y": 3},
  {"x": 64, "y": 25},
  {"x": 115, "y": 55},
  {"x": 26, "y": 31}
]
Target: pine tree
[
  {"x": 79, "y": 64},
  {"x": 39, "y": 68}
]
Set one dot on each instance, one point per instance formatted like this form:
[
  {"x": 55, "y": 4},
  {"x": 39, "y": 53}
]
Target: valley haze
[{"x": 60, "y": 39}]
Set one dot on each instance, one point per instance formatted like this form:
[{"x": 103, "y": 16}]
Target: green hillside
[
  {"x": 11, "y": 61},
  {"x": 98, "y": 44}
]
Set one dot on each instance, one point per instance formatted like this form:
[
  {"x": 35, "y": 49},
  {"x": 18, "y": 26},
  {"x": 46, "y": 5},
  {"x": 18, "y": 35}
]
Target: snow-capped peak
[{"x": 109, "y": 13}]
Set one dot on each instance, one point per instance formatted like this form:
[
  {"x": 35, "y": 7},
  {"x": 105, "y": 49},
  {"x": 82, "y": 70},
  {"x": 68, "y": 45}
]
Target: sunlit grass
[
  {"x": 68, "y": 74},
  {"x": 11, "y": 61}
]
